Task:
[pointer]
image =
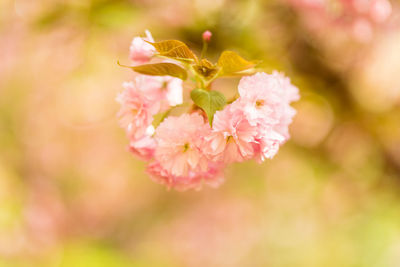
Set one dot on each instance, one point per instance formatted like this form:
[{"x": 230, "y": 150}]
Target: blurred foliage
[{"x": 71, "y": 195}]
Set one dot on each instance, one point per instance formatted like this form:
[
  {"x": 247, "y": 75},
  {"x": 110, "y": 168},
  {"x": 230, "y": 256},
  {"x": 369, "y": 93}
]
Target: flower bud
[{"x": 207, "y": 36}]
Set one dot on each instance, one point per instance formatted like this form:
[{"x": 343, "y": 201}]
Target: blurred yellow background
[{"x": 71, "y": 194}]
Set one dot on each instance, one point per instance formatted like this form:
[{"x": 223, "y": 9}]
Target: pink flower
[
  {"x": 141, "y": 51},
  {"x": 145, "y": 97},
  {"x": 265, "y": 96},
  {"x": 291, "y": 92},
  {"x": 213, "y": 177},
  {"x": 136, "y": 112},
  {"x": 145, "y": 146},
  {"x": 163, "y": 89},
  {"x": 266, "y": 100},
  {"x": 173, "y": 90},
  {"x": 179, "y": 144},
  {"x": 267, "y": 143},
  {"x": 282, "y": 127},
  {"x": 184, "y": 151},
  {"x": 232, "y": 135}
]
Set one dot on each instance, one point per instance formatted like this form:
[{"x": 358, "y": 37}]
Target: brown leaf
[
  {"x": 175, "y": 49},
  {"x": 231, "y": 63},
  {"x": 160, "y": 69}
]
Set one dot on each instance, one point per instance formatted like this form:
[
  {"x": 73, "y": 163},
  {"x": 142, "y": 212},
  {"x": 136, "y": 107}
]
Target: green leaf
[
  {"x": 209, "y": 101},
  {"x": 206, "y": 69},
  {"x": 175, "y": 49},
  {"x": 160, "y": 69},
  {"x": 231, "y": 63}
]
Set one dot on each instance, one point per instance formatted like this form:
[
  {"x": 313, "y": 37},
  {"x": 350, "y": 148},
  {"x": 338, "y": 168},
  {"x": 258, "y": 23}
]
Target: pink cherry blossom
[
  {"x": 179, "y": 144},
  {"x": 184, "y": 151},
  {"x": 267, "y": 143},
  {"x": 141, "y": 51},
  {"x": 265, "y": 96},
  {"x": 282, "y": 127},
  {"x": 145, "y": 146},
  {"x": 291, "y": 92},
  {"x": 173, "y": 90},
  {"x": 136, "y": 112},
  {"x": 232, "y": 135},
  {"x": 261, "y": 97},
  {"x": 164, "y": 89},
  {"x": 213, "y": 177},
  {"x": 143, "y": 98}
]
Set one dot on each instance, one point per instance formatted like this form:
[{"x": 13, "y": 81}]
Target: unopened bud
[{"x": 207, "y": 36}]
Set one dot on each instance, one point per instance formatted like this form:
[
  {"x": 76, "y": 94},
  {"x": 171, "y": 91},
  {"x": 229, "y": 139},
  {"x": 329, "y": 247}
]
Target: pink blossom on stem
[
  {"x": 141, "y": 51},
  {"x": 166, "y": 90},
  {"x": 291, "y": 92},
  {"x": 143, "y": 98},
  {"x": 184, "y": 151},
  {"x": 266, "y": 100},
  {"x": 267, "y": 143},
  {"x": 232, "y": 136},
  {"x": 282, "y": 127},
  {"x": 179, "y": 144},
  {"x": 265, "y": 96},
  {"x": 136, "y": 112},
  {"x": 145, "y": 146}
]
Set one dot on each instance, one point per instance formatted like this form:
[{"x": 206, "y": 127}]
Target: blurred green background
[{"x": 71, "y": 195}]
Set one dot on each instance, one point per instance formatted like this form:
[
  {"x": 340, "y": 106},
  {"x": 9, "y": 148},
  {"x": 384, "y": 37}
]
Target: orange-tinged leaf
[
  {"x": 160, "y": 69},
  {"x": 231, "y": 63},
  {"x": 175, "y": 49}
]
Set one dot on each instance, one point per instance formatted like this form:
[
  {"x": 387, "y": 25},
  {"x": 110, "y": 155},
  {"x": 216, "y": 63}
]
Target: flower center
[
  {"x": 164, "y": 85},
  {"x": 186, "y": 147},
  {"x": 259, "y": 103}
]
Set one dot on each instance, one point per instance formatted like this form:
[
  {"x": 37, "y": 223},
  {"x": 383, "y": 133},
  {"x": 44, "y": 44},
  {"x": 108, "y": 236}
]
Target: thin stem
[
  {"x": 199, "y": 80},
  {"x": 204, "y": 50},
  {"x": 208, "y": 82}
]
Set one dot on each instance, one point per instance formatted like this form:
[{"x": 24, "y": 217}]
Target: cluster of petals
[
  {"x": 180, "y": 159},
  {"x": 179, "y": 144},
  {"x": 185, "y": 152},
  {"x": 256, "y": 124},
  {"x": 141, "y": 51},
  {"x": 143, "y": 97}
]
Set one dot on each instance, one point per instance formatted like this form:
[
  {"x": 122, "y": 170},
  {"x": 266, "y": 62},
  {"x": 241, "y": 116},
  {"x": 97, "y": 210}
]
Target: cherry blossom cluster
[
  {"x": 359, "y": 17},
  {"x": 188, "y": 150}
]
